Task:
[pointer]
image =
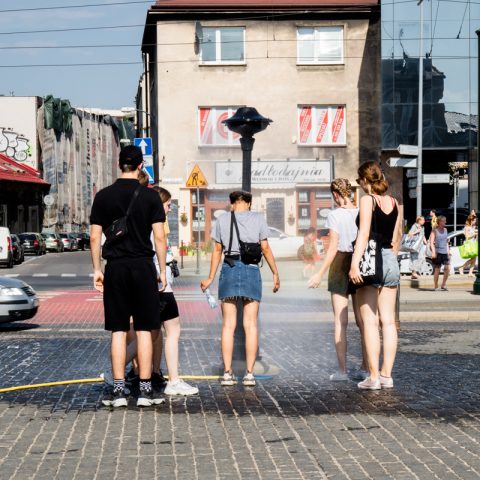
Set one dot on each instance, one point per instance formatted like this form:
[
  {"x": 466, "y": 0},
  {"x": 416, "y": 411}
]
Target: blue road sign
[
  {"x": 149, "y": 170},
  {"x": 145, "y": 144}
]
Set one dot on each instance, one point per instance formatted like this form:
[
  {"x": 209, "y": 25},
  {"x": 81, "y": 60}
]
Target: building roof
[
  {"x": 12, "y": 171},
  {"x": 258, "y": 4}
]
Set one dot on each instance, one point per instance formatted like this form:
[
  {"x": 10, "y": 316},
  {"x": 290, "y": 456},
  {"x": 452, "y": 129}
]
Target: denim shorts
[
  {"x": 391, "y": 270},
  {"x": 240, "y": 281}
]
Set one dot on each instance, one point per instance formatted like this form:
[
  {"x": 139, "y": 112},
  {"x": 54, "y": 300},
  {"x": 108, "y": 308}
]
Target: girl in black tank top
[{"x": 379, "y": 213}]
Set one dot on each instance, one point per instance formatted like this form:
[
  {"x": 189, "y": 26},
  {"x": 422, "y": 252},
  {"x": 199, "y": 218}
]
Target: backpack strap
[{"x": 132, "y": 201}]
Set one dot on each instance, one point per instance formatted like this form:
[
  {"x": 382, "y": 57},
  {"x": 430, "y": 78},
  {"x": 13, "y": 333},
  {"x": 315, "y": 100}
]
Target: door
[{"x": 276, "y": 213}]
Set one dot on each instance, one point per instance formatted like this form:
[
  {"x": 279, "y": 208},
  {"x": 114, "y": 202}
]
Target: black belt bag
[{"x": 250, "y": 252}]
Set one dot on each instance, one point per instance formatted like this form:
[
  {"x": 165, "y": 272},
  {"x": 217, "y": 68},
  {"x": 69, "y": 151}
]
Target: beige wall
[
  {"x": 18, "y": 129},
  {"x": 272, "y": 82}
]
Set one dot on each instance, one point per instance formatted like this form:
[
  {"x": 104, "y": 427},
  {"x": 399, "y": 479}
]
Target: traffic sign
[
  {"x": 148, "y": 167},
  {"x": 436, "y": 178},
  {"x": 48, "y": 200},
  {"x": 196, "y": 179},
  {"x": 407, "y": 149},
  {"x": 405, "y": 162},
  {"x": 145, "y": 143}
]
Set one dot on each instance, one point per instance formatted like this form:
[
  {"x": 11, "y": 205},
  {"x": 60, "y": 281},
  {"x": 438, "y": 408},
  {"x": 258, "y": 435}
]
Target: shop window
[
  {"x": 320, "y": 45},
  {"x": 223, "y": 45},
  {"x": 322, "y": 125},
  {"x": 212, "y": 131}
]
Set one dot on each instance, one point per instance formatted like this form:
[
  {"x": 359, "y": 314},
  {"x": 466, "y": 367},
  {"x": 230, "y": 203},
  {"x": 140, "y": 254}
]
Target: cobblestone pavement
[{"x": 294, "y": 425}]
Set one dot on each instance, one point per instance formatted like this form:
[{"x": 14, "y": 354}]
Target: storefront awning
[{"x": 12, "y": 171}]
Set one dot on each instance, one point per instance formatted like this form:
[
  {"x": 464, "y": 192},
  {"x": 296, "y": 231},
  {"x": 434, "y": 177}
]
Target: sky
[{"x": 101, "y": 86}]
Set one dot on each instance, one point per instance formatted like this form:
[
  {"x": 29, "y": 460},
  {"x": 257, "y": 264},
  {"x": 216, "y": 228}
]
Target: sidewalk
[{"x": 296, "y": 424}]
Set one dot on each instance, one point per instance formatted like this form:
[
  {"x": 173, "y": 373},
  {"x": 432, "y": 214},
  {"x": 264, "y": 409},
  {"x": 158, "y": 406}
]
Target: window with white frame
[
  {"x": 223, "y": 45},
  {"x": 211, "y": 129},
  {"x": 320, "y": 45},
  {"x": 322, "y": 125}
]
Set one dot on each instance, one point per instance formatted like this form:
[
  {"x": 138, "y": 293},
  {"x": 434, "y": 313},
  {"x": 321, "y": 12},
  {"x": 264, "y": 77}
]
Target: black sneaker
[
  {"x": 147, "y": 399},
  {"x": 158, "y": 381},
  {"x": 114, "y": 399}
]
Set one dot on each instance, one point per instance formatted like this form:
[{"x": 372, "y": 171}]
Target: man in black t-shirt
[{"x": 130, "y": 283}]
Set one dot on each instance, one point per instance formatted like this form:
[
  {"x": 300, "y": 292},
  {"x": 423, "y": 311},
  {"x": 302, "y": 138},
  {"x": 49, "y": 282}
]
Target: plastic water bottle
[{"x": 210, "y": 299}]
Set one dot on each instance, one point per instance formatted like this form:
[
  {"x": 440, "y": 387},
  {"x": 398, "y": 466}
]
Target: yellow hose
[{"x": 94, "y": 380}]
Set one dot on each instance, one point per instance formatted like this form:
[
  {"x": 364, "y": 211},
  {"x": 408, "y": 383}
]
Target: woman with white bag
[{"x": 416, "y": 236}]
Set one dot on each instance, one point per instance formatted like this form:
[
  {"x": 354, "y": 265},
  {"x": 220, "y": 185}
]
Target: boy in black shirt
[{"x": 130, "y": 283}]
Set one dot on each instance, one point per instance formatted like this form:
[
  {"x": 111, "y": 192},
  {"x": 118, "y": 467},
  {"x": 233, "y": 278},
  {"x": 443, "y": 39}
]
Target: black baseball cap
[{"x": 131, "y": 155}]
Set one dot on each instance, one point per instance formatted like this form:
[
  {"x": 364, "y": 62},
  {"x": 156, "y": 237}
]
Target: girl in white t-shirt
[
  {"x": 171, "y": 322},
  {"x": 342, "y": 234}
]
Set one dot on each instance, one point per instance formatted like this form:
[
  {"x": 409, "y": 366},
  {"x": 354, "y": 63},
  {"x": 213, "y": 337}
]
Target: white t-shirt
[{"x": 342, "y": 220}]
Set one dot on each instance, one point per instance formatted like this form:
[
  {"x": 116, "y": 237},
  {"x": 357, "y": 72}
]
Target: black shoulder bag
[
  {"x": 250, "y": 252},
  {"x": 118, "y": 229}
]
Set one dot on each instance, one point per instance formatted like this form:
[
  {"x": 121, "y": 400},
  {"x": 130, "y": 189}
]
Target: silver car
[{"x": 18, "y": 300}]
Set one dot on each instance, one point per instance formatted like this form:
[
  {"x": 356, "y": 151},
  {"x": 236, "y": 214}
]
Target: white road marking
[
  {"x": 69, "y": 275},
  {"x": 40, "y": 275},
  {"x": 11, "y": 275}
]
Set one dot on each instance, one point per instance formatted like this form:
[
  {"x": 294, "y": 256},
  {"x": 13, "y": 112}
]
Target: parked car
[
  {"x": 288, "y": 246},
  {"x": 53, "y": 242},
  {"x": 455, "y": 239},
  {"x": 33, "y": 242},
  {"x": 69, "y": 241},
  {"x": 18, "y": 250},
  {"x": 83, "y": 240},
  {"x": 18, "y": 300},
  {"x": 6, "y": 252}
]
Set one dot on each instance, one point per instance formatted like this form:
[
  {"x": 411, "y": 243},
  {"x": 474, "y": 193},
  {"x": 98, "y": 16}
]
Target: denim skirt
[{"x": 240, "y": 281}]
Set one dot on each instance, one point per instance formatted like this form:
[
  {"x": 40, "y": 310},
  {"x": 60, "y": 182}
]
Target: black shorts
[
  {"x": 169, "y": 306},
  {"x": 131, "y": 290},
  {"x": 338, "y": 280},
  {"x": 441, "y": 259}
]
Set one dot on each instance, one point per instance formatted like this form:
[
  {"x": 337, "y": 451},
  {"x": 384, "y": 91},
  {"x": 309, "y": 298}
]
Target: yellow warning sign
[{"x": 196, "y": 179}]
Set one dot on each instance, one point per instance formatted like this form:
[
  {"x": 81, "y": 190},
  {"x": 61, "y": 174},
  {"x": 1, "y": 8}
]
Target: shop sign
[{"x": 275, "y": 172}]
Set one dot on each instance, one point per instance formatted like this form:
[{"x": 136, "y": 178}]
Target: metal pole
[
  {"x": 420, "y": 116},
  {"x": 182, "y": 249},
  {"x": 247, "y": 147},
  {"x": 455, "y": 193},
  {"x": 476, "y": 283},
  {"x": 197, "y": 270}
]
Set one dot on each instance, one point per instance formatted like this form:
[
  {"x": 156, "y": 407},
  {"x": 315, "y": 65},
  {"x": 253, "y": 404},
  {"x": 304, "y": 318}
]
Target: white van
[{"x": 6, "y": 252}]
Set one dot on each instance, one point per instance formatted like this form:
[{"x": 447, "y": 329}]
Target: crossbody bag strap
[
  {"x": 232, "y": 218},
  {"x": 132, "y": 201},
  {"x": 236, "y": 227}
]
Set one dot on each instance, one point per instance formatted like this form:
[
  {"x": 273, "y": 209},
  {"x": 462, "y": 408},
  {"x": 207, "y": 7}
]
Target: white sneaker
[
  {"x": 386, "y": 382},
  {"x": 249, "y": 380},
  {"x": 179, "y": 387},
  {"x": 338, "y": 377},
  {"x": 228, "y": 379}
]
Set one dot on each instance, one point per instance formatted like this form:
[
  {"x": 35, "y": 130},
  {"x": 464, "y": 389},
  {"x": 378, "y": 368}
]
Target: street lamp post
[
  {"x": 420, "y": 116},
  {"x": 247, "y": 122},
  {"x": 476, "y": 283}
]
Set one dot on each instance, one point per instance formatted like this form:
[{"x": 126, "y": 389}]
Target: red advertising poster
[
  {"x": 205, "y": 126},
  {"x": 337, "y": 124},
  {"x": 221, "y": 128},
  {"x": 322, "y": 123},
  {"x": 305, "y": 124}
]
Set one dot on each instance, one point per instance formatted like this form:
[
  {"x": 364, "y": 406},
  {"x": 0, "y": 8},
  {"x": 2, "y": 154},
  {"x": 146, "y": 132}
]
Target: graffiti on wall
[{"x": 14, "y": 145}]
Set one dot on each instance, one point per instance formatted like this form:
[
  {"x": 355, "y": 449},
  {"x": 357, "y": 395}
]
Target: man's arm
[
  {"x": 95, "y": 249},
  {"x": 160, "y": 242}
]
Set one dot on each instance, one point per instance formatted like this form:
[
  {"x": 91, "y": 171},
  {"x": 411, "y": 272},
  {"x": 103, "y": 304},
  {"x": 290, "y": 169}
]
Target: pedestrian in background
[
  {"x": 342, "y": 234},
  {"x": 378, "y": 215},
  {"x": 470, "y": 231},
  {"x": 129, "y": 285},
  {"x": 417, "y": 258},
  {"x": 170, "y": 319},
  {"x": 309, "y": 252},
  {"x": 240, "y": 283},
  {"x": 440, "y": 252}
]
